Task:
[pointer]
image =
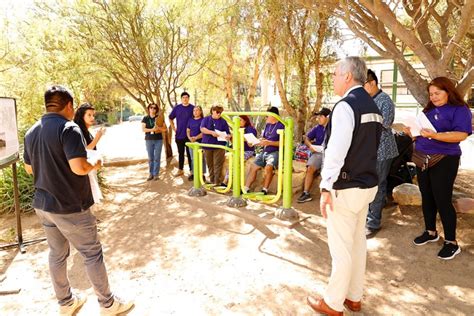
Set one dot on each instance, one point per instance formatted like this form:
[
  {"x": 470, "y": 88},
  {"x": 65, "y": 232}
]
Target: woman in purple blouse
[
  {"x": 215, "y": 157},
  {"x": 452, "y": 119},
  {"x": 193, "y": 131}
]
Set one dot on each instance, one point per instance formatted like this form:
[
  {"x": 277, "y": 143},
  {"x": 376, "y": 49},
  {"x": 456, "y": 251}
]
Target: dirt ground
[{"x": 179, "y": 255}]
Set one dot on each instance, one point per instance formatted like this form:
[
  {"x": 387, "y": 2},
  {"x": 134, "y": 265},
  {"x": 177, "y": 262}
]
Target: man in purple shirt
[
  {"x": 182, "y": 112},
  {"x": 268, "y": 159}
]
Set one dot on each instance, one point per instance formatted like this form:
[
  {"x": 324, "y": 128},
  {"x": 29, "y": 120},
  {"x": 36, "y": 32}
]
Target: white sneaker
[
  {"x": 119, "y": 306},
  {"x": 69, "y": 310}
]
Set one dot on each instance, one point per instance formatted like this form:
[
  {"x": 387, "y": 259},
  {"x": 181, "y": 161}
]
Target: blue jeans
[
  {"x": 80, "y": 230},
  {"x": 153, "y": 147},
  {"x": 374, "y": 216}
]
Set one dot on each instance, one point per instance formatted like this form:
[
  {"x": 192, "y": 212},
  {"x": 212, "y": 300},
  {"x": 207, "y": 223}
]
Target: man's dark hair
[
  {"x": 185, "y": 93},
  {"x": 56, "y": 98},
  {"x": 372, "y": 76}
]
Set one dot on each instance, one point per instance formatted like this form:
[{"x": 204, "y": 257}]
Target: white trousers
[{"x": 347, "y": 245}]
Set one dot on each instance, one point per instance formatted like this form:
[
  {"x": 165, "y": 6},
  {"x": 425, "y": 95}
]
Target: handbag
[
  {"x": 302, "y": 153},
  {"x": 425, "y": 161}
]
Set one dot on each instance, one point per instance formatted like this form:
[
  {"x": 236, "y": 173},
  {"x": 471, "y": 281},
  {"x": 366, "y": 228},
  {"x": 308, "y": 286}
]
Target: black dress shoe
[{"x": 371, "y": 232}]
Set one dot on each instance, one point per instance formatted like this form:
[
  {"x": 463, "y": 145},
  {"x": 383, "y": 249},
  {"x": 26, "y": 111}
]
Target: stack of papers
[
  {"x": 251, "y": 139},
  {"x": 221, "y": 136},
  {"x": 416, "y": 124}
]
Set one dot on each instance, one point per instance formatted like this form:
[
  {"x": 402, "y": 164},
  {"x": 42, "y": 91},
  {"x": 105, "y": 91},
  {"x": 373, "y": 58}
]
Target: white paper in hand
[
  {"x": 417, "y": 123},
  {"x": 93, "y": 156},
  {"x": 251, "y": 139},
  {"x": 425, "y": 122},
  {"x": 221, "y": 136},
  {"x": 318, "y": 148}
]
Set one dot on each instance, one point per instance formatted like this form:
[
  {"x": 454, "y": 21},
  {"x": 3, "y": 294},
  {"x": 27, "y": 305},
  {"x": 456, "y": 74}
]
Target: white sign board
[{"x": 9, "y": 144}]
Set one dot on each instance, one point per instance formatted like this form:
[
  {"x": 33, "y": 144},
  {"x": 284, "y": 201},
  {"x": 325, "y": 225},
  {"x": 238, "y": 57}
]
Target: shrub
[{"x": 25, "y": 187}]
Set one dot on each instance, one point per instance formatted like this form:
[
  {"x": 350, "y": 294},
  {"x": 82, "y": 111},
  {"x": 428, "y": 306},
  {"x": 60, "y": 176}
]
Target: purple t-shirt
[
  {"x": 195, "y": 127},
  {"x": 316, "y": 135},
  {"x": 446, "y": 118},
  {"x": 182, "y": 114},
  {"x": 212, "y": 124},
  {"x": 249, "y": 129},
  {"x": 270, "y": 133}
]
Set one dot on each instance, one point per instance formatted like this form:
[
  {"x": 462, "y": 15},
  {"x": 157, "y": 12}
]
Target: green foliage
[{"x": 25, "y": 187}]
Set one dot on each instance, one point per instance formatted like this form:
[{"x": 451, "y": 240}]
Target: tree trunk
[
  {"x": 280, "y": 86},
  {"x": 303, "y": 105},
  {"x": 253, "y": 85}
]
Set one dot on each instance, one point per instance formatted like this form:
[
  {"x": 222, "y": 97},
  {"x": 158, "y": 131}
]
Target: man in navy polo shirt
[
  {"x": 55, "y": 153},
  {"x": 182, "y": 113}
]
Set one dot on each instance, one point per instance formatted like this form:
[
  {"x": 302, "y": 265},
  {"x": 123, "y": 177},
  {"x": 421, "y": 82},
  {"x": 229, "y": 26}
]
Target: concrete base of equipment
[
  {"x": 236, "y": 202},
  {"x": 286, "y": 214},
  {"x": 197, "y": 192}
]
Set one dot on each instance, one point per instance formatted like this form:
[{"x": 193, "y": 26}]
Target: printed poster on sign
[{"x": 9, "y": 144}]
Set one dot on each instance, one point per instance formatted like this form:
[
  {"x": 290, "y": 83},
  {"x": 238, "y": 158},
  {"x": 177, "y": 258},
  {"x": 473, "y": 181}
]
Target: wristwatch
[{"x": 324, "y": 190}]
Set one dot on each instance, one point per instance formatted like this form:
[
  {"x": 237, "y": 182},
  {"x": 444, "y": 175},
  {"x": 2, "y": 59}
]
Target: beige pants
[{"x": 347, "y": 245}]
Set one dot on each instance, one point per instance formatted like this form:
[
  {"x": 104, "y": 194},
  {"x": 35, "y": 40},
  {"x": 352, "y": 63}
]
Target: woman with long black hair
[
  {"x": 437, "y": 154},
  {"x": 84, "y": 117}
]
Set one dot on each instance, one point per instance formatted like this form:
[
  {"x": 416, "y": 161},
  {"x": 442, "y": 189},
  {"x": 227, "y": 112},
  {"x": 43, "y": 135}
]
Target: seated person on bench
[
  {"x": 268, "y": 159},
  {"x": 314, "y": 137}
]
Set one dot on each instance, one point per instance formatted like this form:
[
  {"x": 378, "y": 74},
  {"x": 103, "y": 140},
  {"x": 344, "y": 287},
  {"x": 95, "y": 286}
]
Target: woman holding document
[
  {"x": 215, "y": 130},
  {"x": 246, "y": 124},
  {"x": 437, "y": 153},
  {"x": 84, "y": 117}
]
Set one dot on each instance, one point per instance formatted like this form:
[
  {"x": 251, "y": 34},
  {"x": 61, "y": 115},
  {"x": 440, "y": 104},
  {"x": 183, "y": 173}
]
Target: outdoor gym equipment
[{"x": 237, "y": 169}]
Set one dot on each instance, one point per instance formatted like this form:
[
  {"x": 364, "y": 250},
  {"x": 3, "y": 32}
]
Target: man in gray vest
[
  {"x": 55, "y": 153},
  {"x": 348, "y": 184}
]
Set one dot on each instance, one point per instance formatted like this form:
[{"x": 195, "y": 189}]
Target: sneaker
[
  {"x": 191, "y": 178},
  {"x": 449, "y": 251},
  {"x": 425, "y": 238},
  {"x": 118, "y": 306},
  {"x": 74, "y": 306},
  {"x": 371, "y": 232},
  {"x": 150, "y": 177},
  {"x": 305, "y": 197},
  {"x": 265, "y": 191},
  {"x": 156, "y": 178}
]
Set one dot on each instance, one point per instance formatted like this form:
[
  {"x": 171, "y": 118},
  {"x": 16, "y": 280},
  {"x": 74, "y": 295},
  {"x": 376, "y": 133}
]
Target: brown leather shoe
[
  {"x": 320, "y": 306},
  {"x": 353, "y": 306}
]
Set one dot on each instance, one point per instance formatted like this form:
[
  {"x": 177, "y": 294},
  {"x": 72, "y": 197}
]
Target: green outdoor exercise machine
[{"x": 237, "y": 168}]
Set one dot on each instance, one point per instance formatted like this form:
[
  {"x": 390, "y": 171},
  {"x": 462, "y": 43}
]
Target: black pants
[
  {"x": 181, "y": 143},
  {"x": 436, "y": 186}
]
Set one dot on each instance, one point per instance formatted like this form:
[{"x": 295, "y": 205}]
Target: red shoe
[
  {"x": 353, "y": 306},
  {"x": 320, "y": 306}
]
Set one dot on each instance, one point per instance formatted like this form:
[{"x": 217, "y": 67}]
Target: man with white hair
[{"x": 348, "y": 184}]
